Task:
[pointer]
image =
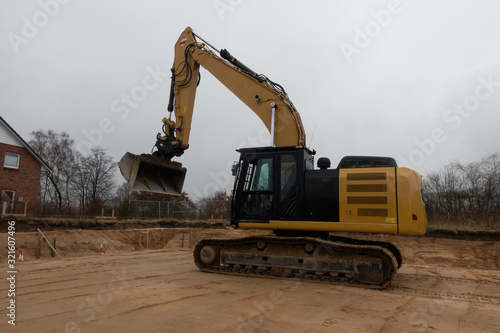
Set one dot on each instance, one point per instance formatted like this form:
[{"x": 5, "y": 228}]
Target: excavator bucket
[{"x": 154, "y": 174}]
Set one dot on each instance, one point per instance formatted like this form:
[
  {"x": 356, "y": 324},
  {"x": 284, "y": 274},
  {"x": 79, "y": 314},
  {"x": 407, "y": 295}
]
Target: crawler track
[{"x": 340, "y": 260}]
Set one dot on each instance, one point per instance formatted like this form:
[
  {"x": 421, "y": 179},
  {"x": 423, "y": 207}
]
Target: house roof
[{"x": 25, "y": 145}]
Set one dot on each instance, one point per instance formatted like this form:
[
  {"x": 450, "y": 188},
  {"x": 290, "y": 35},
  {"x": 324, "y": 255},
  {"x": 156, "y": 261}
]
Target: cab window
[
  {"x": 258, "y": 188},
  {"x": 288, "y": 173}
]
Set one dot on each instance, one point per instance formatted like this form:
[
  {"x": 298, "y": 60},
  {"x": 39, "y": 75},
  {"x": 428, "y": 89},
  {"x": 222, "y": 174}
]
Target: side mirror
[{"x": 235, "y": 168}]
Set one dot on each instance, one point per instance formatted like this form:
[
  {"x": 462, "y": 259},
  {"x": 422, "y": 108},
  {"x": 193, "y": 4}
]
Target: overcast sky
[{"x": 414, "y": 80}]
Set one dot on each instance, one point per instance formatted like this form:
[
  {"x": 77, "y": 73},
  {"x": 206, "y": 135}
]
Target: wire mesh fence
[{"x": 160, "y": 210}]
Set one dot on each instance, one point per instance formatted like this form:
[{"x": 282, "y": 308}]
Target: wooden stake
[
  {"x": 45, "y": 239},
  {"x": 147, "y": 239},
  {"x": 39, "y": 247},
  {"x": 182, "y": 242},
  {"x": 498, "y": 254},
  {"x": 52, "y": 254}
]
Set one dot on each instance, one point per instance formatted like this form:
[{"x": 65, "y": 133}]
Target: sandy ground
[{"x": 443, "y": 286}]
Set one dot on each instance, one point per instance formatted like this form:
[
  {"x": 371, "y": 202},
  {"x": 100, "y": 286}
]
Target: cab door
[{"x": 256, "y": 186}]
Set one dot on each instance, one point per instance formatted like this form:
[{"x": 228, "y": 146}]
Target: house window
[{"x": 11, "y": 160}]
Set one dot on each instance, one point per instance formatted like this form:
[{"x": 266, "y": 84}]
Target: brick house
[{"x": 20, "y": 170}]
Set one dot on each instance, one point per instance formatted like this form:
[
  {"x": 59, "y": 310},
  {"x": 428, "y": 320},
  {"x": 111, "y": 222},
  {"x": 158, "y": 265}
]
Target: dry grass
[{"x": 461, "y": 223}]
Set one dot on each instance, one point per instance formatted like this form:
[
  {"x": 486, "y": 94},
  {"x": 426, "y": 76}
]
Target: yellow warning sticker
[{"x": 391, "y": 220}]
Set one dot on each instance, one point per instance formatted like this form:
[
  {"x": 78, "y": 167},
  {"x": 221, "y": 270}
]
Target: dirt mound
[
  {"x": 482, "y": 235},
  {"x": 49, "y": 224},
  {"x": 445, "y": 252},
  {"x": 78, "y": 243}
]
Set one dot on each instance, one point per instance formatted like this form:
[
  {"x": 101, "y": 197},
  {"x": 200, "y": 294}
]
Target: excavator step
[{"x": 305, "y": 258}]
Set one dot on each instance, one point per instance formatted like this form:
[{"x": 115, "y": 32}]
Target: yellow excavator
[{"x": 278, "y": 187}]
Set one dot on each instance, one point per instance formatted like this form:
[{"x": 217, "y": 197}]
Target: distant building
[{"x": 20, "y": 170}]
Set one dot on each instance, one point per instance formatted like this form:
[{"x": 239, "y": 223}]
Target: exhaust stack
[{"x": 146, "y": 172}]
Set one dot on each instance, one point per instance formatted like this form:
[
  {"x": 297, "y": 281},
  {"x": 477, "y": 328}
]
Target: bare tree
[
  {"x": 124, "y": 194},
  {"x": 93, "y": 179},
  {"x": 80, "y": 181},
  {"x": 468, "y": 191},
  {"x": 217, "y": 205},
  {"x": 100, "y": 167},
  {"x": 57, "y": 149},
  {"x": 76, "y": 179},
  {"x": 491, "y": 182}
]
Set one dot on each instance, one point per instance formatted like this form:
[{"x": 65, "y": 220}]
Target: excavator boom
[{"x": 267, "y": 99}]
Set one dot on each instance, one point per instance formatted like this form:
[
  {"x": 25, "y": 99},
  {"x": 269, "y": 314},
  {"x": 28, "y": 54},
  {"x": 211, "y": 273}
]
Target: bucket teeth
[{"x": 151, "y": 173}]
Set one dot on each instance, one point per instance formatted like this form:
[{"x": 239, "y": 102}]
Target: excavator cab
[
  {"x": 269, "y": 184},
  {"x": 151, "y": 173}
]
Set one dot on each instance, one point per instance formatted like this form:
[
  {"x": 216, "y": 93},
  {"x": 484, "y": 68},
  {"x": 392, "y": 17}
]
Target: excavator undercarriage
[{"x": 338, "y": 260}]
